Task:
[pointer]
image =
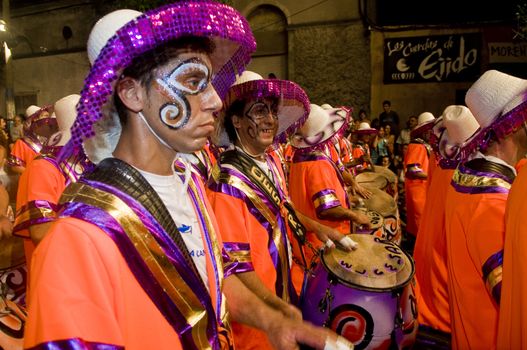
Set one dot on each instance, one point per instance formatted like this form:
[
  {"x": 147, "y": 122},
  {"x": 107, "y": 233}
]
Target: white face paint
[{"x": 190, "y": 77}]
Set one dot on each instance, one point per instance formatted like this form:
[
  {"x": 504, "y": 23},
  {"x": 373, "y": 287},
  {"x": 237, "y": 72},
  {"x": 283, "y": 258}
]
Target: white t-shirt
[{"x": 169, "y": 189}]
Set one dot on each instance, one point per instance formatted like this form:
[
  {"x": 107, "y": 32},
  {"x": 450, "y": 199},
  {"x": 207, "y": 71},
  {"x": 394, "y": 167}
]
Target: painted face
[
  {"x": 190, "y": 77},
  {"x": 259, "y": 125},
  {"x": 184, "y": 100}
]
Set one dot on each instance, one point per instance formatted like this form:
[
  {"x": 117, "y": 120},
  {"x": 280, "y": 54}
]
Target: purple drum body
[{"x": 366, "y": 295}]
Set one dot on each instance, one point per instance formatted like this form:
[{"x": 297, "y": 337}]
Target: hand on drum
[
  {"x": 289, "y": 333},
  {"x": 359, "y": 218},
  {"x": 6, "y": 227},
  {"x": 362, "y": 191},
  {"x": 329, "y": 236}
]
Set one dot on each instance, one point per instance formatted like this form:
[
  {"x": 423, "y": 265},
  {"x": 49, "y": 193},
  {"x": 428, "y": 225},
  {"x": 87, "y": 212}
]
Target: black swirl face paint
[{"x": 190, "y": 77}]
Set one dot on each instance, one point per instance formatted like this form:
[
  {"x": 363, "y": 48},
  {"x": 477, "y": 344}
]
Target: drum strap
[{"x": 248, "y": 167}]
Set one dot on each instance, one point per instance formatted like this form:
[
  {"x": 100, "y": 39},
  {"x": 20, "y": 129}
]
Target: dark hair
[
  {"x": 386, "y": 102},
  {"x": 236, "y": 108},
  {"x": 142, "y": 67}
]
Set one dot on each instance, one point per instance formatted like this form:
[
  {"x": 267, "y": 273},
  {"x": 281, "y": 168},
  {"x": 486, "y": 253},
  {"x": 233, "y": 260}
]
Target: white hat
[
  {"x": 461, "y": 127},
  {"x": 495, "y": 94},
  {"x": 65, "y": 112},
  {"x": 32, "y": 110},
  {"x": 321, "y": 126},
  {"x": 425, "y": 121},
  {"x": 105, "y": 28},
  {"x": 365, "y": 129}
]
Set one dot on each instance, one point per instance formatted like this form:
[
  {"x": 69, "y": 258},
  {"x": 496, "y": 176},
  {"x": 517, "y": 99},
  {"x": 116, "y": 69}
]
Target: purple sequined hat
[
  {"x": 293, "y": 107},
  {"x": 226, "y": 27}
]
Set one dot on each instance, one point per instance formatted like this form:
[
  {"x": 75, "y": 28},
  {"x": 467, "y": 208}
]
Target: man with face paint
[
  {"x": 134, "y": 260},
  {"x": 250, "y": 183}
]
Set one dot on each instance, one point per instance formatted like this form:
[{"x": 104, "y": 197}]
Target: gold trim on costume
[
  {"x": 158, "y": 263},
  {"x": 494, "y": 278},
  {"x": 469, "y": 180},
  {"x": 325, "y": 199}
]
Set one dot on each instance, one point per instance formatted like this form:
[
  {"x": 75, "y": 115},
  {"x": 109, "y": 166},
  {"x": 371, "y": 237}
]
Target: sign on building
[{"x": 438, "y": 58}]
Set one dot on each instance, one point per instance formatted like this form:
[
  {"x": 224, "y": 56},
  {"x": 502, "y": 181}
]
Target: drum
[
  {"x": 12, "y": 323},
  {"x": 13, "y": 269},
  {"x": 391, "y": 188},
  {"x": 371, "y": 180},
  {"x": 384, "y": 204},
  {"x": 366, "y": 295}
]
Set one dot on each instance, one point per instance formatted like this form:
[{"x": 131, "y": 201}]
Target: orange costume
[
  {"x": 431, "y": 272},
  {"x": 475, "y": 229},
  {"x": 315, "y": 185},
  {"x": 512, "y": 329},
  {"x": 110, "y": 271},
  {"x": 416, "y": 161},
  {"x": 256, "y": 238},
  {"x": 23, "y": 152}
]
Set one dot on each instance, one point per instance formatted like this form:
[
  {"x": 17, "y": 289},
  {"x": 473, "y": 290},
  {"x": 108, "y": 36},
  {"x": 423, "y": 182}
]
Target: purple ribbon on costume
[
  {"x": 75, "y": 344},
  {"x": 108, "y": 224}
]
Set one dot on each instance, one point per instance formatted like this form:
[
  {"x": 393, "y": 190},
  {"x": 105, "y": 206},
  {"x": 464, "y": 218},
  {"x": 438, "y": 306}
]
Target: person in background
[
  {"x": 404, "y": 136},
  {"x": 389, "y": 117},
  {"x": 17, "y": 129},
  {"x": 417, "y": 171}
]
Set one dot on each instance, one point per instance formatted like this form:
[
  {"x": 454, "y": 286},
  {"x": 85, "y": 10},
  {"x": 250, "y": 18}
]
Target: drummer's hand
[
  {"x": 362, "y": 191},
  {"x": 329, "y": 236},
  {"x": 6, "y": 227},
  {"x": 286, "y": 334},
  {"x": 291, "y": 312},
  {"x": 361, "y": 219}
]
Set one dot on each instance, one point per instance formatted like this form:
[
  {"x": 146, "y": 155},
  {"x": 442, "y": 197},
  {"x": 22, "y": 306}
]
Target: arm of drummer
[
  {"x": 6, "y": 226},
  {"x": 325, "y": 233},
  {"x": 340, "y": 213},
  {"x": 349, "y": 179},
  {"x": 251, "y": 280},
  {"x": 283, "y": 332}
]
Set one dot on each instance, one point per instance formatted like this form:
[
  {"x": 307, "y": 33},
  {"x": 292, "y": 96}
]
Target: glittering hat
[
  {"x": 40, "y": 117},
  {"x": 365, "y": 129},
  {"x": 293, "y": 104},
  {"x": 321, "y": 127},
  {"x": 498, "y": 102},
  {"x": 425, "y": 122},
  {"x": 227, "y": 28},
  {"x": 461, "y": 127}
]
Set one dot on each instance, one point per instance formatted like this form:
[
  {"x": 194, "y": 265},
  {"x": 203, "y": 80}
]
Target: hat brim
[
  {"x": 421, "y": 129},
  {"x": 319, "y": 138},
  {"x": 366, "y": 132},
  {"x": 293, "y": 106},
  {"x": 226, "y": 27}
]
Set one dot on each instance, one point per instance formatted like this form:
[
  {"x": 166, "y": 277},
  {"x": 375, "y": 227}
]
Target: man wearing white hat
[
  {"x": 134, "y": 260},
  {"x": 417, "y": 167},
  {"x": 248, "y": 181},
  {"x": 475, "y": 210},
  {"x": 361, "y": 149},
  {"x": 316, "y": 185},
  {"x": 38, "y": 127},
  {"x": 452, "y": 132},
  {"x": 511, "y": 98}
]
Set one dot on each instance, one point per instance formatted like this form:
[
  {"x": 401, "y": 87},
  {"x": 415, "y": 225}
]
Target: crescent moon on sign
[{"x": 401, "y": 65}]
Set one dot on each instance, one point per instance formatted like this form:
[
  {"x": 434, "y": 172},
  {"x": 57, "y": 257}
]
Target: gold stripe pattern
[
  {"x": 327, "y": 198},
  {"x": 470, "y": 180},
  {"x": 165, "y": 273},
  {"x": 494, "y": 278}
]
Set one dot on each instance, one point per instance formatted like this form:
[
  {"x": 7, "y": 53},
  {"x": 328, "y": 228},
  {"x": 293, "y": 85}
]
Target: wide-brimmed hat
[
  {"x": 113, "y": 45},
  {"x": 365, "y": 129},
  {"x": 293, "y": 104},
  {"x": 31, "y": 110},
  {"x": 425, "y": 122},
  {"x": 498, "y": 102},
  {"x": 460, "y": 128},
  {"x": 65, "y": 112},
  {"x": 321, "y": 127}
]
